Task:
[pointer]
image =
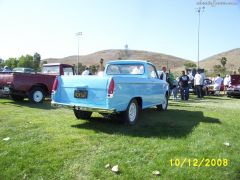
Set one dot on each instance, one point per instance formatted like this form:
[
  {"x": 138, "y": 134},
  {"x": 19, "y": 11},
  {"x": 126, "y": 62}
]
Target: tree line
[
  {"x": 217, "y": 69},
  {"x": 221, "y": 68},
  {"x": 27, "y": 61}
]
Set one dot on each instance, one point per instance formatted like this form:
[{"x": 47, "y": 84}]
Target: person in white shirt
[
  {"x": 217, "y": 84},
  {"x": 198, "y": 83},
  {"x": 226, "y": 82},
  {"x": 86, "y": 72},
  {"x": 163, "y": 75}
]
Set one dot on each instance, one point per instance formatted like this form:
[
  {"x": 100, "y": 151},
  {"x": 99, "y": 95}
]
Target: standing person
[
  {"x": 198, "y": 83},
  {"x": 86, "y": 72},
  {"x": 183, "y": 84},
  {"x": 175, "y": 89},
  {"x": 170, "y": 80},
  {"x": 226, "y": 82},
  {"x": 217, "y": 84},
  {"x": 163, "y": 75}
]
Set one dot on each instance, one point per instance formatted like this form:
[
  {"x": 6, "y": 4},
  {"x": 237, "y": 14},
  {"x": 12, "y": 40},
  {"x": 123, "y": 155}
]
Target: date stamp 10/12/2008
[{"x": 204, "y": 162}]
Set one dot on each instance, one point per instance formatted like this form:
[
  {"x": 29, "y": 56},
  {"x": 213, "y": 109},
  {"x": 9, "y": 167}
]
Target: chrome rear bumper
[{"x": 83, "y": 108}]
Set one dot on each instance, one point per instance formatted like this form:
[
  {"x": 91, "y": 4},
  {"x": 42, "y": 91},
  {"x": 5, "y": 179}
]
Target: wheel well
[
  {"x": 139, "y": 100},
  {"x": 43, "y": 86}
]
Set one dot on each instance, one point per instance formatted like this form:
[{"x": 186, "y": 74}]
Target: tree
[
  {"x": 190, "y": 64},
  {"x": 126, "y": 51},
  {"x": 218, "y": 69},
  {"x": 36, "y": 61},
  {"x": 44, "y": 62},
  {"x": 101, "y": 68},
  {"x": 223, "y": 61},
  {"x": 1, "y": 62},
  {"x": 94, "y": 68},
  {"x": 26, "y": 61},
  {"x": 11, "y": 62},
  {"x": 239, "y": 70},
  {"x": 124, "y": 54},
  {"x": 81, "y": 68}
]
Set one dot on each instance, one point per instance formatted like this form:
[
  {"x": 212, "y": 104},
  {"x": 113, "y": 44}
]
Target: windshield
[
  {"x": 125, "y": 69},
  {"x": 50, "y": 70}
]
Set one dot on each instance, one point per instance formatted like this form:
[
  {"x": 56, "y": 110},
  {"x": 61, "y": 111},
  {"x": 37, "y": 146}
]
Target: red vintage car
[{"x": 234, "y": 88}]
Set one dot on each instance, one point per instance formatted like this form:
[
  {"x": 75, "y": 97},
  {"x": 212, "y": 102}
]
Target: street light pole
[
  {"x": 78, "y": 34},
  {"x": 199, "y": 10}
]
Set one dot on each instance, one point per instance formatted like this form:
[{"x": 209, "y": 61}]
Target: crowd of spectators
[{"x": 181, "y": 85}]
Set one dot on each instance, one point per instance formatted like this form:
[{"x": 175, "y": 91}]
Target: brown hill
[
  {"x": 158, "y": 59},
  {"x": 233, "y": 60}
]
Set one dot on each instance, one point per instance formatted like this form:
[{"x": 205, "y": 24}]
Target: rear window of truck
[
  {"x": 50, "y": 70},
  {"x": 125, "y": 69}
]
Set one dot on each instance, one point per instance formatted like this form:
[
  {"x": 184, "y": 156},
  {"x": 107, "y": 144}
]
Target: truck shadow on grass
[
  {"x": 152, "y": 123},
  {"x": 46, "y": 105}
]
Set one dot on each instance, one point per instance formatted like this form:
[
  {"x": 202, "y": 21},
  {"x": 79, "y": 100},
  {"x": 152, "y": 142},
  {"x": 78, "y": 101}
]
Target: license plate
[
  {"x": 6, "y": 88},
  {"x": 80, "y": 94}
]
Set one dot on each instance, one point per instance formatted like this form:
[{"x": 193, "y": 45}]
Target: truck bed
[{"x": 22, "y": 82}]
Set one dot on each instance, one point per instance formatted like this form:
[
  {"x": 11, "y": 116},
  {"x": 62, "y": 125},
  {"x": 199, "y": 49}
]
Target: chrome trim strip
[{"x": 83, "y": 108}]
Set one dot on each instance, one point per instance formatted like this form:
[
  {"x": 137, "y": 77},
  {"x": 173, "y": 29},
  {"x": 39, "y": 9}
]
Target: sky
[{"x": 163, "y": 26}]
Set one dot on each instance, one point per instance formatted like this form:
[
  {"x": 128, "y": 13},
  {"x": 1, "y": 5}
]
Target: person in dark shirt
[{"x": 183, "y": 84}]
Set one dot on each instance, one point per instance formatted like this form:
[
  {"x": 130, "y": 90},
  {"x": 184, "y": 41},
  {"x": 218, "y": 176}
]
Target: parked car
[
  {"x": 209, "y": 87},
  {"x": 23, "y": 70},
  {"x": 234, "y": 88},
  {"x": 126, "y": 87},
  {"x": 33, "y": 86}
]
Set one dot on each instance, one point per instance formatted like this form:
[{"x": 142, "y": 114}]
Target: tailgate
[
  {"x": 90, "y": 91},
  {"x": 6, "y": 79}
]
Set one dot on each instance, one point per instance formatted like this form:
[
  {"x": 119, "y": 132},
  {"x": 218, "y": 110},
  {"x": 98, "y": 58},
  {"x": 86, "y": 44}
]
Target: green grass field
[{"x": 49, "y": 143}]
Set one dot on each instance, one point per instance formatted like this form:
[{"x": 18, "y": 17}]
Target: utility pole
[
  {"x": 199, "y": 11},
  {"x": 78, "y": 34}
]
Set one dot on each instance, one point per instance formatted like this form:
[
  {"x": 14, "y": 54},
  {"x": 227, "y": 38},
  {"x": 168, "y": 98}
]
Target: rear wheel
[
  {"x": 16, "y": 97},
  {"x": 79, "y": 114},
  {"x": 37, "y": 95},
  {"x": 164, "y": 105},
  {"x": 130, "y": 116}
]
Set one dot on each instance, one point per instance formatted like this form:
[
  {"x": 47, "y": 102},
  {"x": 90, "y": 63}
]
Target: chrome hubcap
[
  {"x": 132, "y": 112},
  {"x": 37, "y": 96}
]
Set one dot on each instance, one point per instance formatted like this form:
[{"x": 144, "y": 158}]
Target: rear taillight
[
  {"x": 55, "y": 85},
  {"x": 111, "y": 88}
]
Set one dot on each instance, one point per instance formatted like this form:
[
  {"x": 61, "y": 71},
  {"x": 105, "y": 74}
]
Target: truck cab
[{"x": 58, "y": 69}]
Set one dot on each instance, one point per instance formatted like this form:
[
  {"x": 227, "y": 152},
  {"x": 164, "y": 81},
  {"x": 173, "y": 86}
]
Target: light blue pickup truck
[{"x": 124, "y": 89}]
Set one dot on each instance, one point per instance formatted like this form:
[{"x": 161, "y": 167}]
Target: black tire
[
  {"x": 164, "y": 106},
  {"x": 79, "y": 114},
  {"x": 130, "y": 116},
  {"x": 37, "y": 95},
  {"x": 16, "y": 97}
]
